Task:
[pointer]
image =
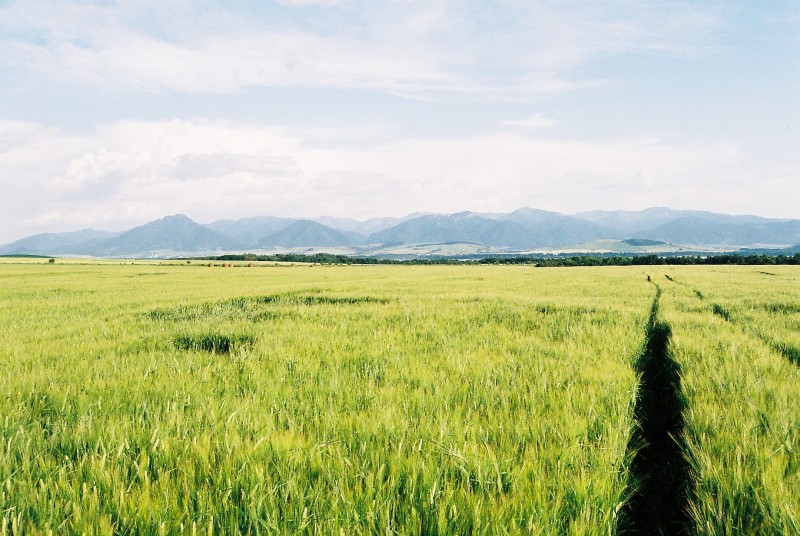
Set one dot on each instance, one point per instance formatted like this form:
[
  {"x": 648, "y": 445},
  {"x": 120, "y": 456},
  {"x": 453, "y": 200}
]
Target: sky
[{"x": 116, "y": 113}]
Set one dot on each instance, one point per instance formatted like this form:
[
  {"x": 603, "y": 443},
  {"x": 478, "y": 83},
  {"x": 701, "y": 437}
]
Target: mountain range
[{"x": 522, "y": 231}]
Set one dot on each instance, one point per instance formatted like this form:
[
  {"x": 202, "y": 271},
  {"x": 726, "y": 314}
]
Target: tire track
[
  {"x": 659, "y": 480},
  {"x": 788, "y": 351}
]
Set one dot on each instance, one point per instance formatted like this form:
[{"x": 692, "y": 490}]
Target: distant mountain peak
[
  {"x": 178, "y": 217},
  {"x": 308, "y": 233},
  {"x": 529, "y": 210},
  {"x": 523, "y": 230}
]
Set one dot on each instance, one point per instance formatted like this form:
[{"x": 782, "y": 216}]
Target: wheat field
[{"x": 170, "y": 398}]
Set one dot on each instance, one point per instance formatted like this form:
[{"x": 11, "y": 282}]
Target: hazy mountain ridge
[
  {"x": 172, "y": 234},
  {"x": 632, "y": 222},
  {"x": 48, "y": 243},
  {"x": 365, "y": 227},
  {"x": 523, "y": 230},
  {"x": 463, "y": 227},
  {"x": 251, "y": 231},
  {"x": 558, "y": 229},
  {"x": 307, "y": 233},
  {"x": 696, "y": 230}
]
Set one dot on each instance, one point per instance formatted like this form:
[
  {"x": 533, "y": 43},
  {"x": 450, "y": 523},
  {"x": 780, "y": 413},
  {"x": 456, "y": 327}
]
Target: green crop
[
  {"x": 730, "y": 331},
  {"x": 282, "y": 399}
]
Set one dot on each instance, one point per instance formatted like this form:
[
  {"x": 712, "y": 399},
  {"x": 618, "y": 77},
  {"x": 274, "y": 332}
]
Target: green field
[{"x": 264, "y": 399}]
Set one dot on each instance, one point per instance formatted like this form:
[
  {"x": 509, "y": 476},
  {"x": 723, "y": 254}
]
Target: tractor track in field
[
  {"x": 791, "y": 353},
  {"x": 659, "y": 484}
]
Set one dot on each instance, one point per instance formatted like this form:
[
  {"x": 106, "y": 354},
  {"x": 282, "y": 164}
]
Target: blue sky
[{"x": 117, "y": 113}]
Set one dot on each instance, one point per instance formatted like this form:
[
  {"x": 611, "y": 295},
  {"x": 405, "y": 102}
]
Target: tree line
[{"x": 542, "y": 261}]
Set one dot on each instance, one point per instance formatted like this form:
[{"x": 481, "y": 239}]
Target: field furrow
[{"x": 659, "y": 473}]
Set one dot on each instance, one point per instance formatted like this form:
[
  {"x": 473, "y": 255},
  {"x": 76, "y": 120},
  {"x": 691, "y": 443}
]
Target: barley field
[{"x": 175, "y": 398}]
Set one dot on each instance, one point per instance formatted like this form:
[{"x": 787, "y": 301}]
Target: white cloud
[
  {"x": 410, "y": 47},
  {"x": 304, "y": 3},
  {"x": 533, "y": 122},
  {"x": 127, "y": 173},
  {"x": 197, "y": 166},
  {"x": 225, "y": 66}
]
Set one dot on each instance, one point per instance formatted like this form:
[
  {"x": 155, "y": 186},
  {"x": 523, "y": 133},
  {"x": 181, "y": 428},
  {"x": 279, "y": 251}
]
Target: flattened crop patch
[
  {"x": 216, "y": 343},
  {"x": 788, "y": 351},
  {"x": 555, "y": 309},
  {"x": 722, "y": 312},
  {"x": 255, "y": 308},
  {"x": 782, "y": 308}
]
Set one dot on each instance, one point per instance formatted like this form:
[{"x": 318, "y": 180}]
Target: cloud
[
  {"x": 197, "y": 166},
  {"x": 129, "y": 172},
  {"x": 533, "y": 122},
  {"x": 225, "y": 66},
  {"x": 304, "y": 3},
  {"x": 412, "y": 48}
]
